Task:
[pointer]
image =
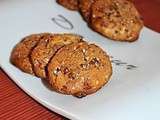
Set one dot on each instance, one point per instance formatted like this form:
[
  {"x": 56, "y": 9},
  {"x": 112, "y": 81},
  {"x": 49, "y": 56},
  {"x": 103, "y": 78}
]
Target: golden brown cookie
[
  {"x": 85, "y": 8},
  {"x": 20, "y": 54},
  {"x": 69, "y": 4},
  {"x": 116, "y": 19},
  {"x": 47, "y": 47},
  {"x": 79, "y": 69}
]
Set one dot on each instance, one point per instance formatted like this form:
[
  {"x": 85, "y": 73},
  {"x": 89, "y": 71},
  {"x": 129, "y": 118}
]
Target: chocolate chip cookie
[
  {"x": 47, "y": 47},
  {"x": 20, "y": 54},
  {"x": 116, "y": 19},
  {"x": 79, "y": 69}
]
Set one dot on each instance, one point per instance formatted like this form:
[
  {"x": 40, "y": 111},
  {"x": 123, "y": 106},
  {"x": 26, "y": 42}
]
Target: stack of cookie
[
  {"x": 118, "y": 20},
  {"x": 69, "y": 64}
]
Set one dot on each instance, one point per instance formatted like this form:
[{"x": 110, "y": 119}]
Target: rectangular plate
[{"x": 131, "y": 94}]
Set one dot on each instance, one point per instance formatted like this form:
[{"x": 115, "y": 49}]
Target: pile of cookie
[
  {"x": 66, "y": 61},
  {"x": 118, "y": 20}
]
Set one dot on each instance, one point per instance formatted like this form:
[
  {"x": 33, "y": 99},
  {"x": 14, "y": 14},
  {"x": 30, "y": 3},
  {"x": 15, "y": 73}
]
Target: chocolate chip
[
  {"x": 116, "y": 31},
  {"x": 126, "y": 30},
  {"x": 72, "y": 76},
  {"x": 109, "y": 14},
  {"x": 84, "y": 66},
  {"x": 94, "y": 61},
  {"x": 65, "y": 70}
]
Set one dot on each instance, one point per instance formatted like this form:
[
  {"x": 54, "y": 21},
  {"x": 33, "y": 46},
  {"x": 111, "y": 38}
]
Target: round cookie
[
  {"x": 69, "y": 4},
  {"x": 47, "y": 47},
  {"x": 20, "y": 54},
  {"x": 116, "y": 19},
  {"x": 85, "y": 8},
  {"x": 79, "y": 69}
]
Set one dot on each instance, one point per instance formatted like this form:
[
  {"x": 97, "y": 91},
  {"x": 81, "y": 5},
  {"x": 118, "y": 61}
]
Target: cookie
[
  {"x": 20, "y": 54},
  {"x": 47, "y": 47},
  {"x": 116, "y": 19},
  {"x": 79, "y": 69},
  {"x": 85, "y": 8},
  {"x": 69, "y": 4}
]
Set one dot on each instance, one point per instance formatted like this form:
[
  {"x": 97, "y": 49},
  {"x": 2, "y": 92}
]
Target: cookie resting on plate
[
  {"x": 116, "y": 19},
  {"x": 79, "y": 69}
]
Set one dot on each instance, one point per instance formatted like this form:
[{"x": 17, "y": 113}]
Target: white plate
[{"x": 133, "y": 91}]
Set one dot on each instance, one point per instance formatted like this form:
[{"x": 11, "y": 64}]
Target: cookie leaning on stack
[
  {"x": 21, "y": 52},
  {"x": 47, "y": 47},
  {"x": 70, "y": 65}
]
